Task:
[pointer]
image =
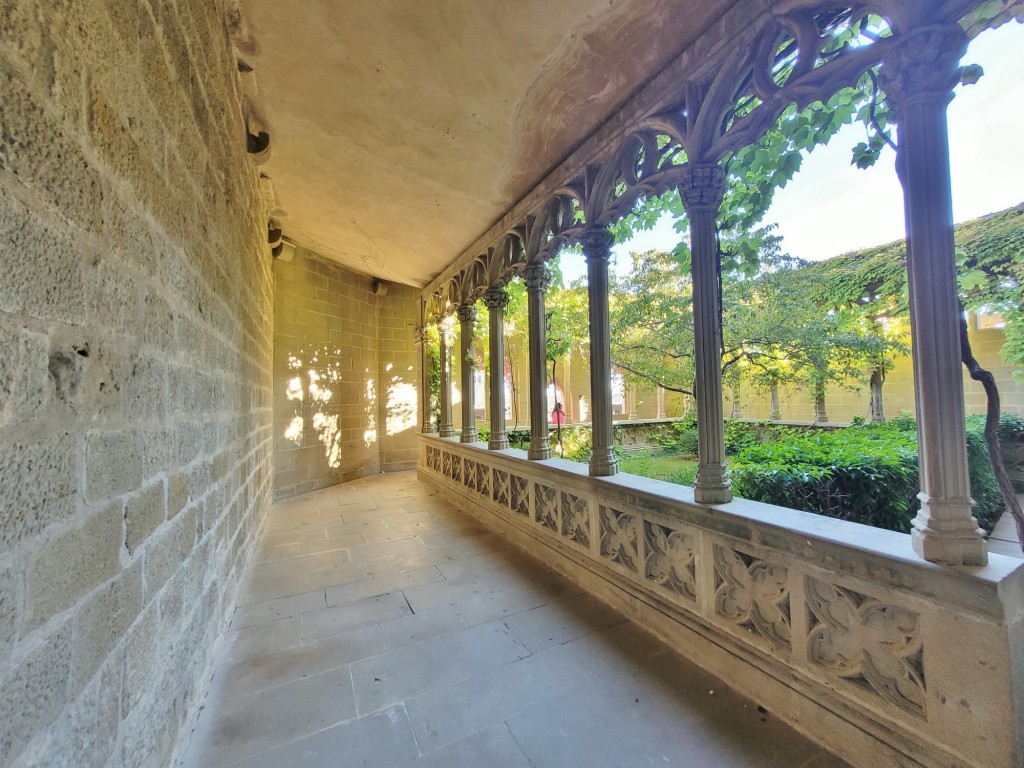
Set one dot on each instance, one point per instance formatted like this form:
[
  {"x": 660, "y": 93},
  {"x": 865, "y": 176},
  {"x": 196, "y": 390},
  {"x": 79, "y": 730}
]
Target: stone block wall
[
  {"x": 399, "y": 380},
  {"x": 342, "y": 357},
  {"x": 135, "y": 379}
]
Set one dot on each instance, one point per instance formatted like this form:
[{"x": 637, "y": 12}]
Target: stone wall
[
  {"x": 341, "y": 358},
  {"x": 135, "y": 421}
]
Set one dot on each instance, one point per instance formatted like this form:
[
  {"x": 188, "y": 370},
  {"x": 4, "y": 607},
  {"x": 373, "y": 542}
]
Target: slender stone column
[
  {"x": 496, "y": 301},
  {"x": 467, "y": 319},
  {"x": 702, "y": 192},
  {"x": 447, "y": 429},
  {"x": 631, "y": 396},
  {"x": 661, "y": 403},
  {"x": 537, "y": 278},
  {"x": 597, "y": 245},
  {"x": 918, "y": 77},
  {"x": 426, "y": 420}
]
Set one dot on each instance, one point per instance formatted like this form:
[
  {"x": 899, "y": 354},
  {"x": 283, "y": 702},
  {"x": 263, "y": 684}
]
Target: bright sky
[{"x": 831, "y": 207}]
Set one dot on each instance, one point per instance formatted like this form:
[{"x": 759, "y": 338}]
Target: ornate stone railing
[{"x": 835, "y": 627}]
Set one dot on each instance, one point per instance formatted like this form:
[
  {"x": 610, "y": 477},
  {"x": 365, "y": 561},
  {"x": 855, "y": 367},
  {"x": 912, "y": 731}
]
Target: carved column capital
[
  {"x": 466, "y": 313},
  {"x": 597, "y": 244},
  {"x": 537, "y": 277},
  {"x": 924, "y": 66},
  {"x": 496, "y": 298},
  {"x": 702, "y": 187}
]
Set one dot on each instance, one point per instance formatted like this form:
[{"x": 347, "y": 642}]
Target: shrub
[
  {"x": 866, "y": 473},
  {"x": 680, "y": 438}
]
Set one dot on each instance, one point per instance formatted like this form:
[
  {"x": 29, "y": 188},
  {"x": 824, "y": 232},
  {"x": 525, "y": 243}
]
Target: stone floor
[
  {"x": 382, "y": 627},
  {"x": 1004, "y": 536}
]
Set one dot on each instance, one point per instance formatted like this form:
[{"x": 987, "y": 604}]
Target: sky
[{"x": 830, "y": 207}]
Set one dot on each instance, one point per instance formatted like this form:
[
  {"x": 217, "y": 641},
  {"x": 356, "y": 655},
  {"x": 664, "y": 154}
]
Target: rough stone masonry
[{"x": 135, "y": 371}]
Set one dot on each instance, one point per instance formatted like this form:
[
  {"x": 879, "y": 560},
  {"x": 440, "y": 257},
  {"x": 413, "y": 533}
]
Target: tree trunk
[
  {"x": 820, "y": 415},
  {"x": 877, "y": 379}
]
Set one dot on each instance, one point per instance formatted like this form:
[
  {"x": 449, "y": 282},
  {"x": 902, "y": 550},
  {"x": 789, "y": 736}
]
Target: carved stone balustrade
[{"x": 835, "y": 627}]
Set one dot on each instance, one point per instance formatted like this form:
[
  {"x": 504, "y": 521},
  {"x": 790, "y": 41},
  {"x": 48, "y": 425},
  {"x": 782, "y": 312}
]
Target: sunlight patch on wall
[
  {"x": 370, "y": 433},
  {"x": 316, "y": 372},
  {"x": 401, "y": 404},
  {"x": 294, "y": 430}
]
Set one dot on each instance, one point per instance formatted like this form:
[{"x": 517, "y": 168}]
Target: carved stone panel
[
  {"x": 869, "y": 642},
  {"x": 671, "y": 560},
  {"x": 457, "y": 469},
  {"x": 483, "y": 479},
  {"x": 501, "y": 487},
  {"x": 619, "y": 537},
  {"x": 469, "y": 476},
  {"x": 520, "y": 495},
  {"x": 447, "y": 464},
  {"x": 576, "y": 519},
  {"x": 753, "y": 594},
  {"x": 546, "y": 500},
  {"x": 433, "y": 458}
]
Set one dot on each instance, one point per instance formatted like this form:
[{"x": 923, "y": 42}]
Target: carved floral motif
[
  {"x": 753, "y": 594},
  {"x": 483, "y": 479},
  {"x": 447, "y": 464},
  {"x": 457, "y": 469},
  {"x": 869, "y": 642},
  {"x": 470, "y": 475},
  {"x": 520, "y": 495},
  {"x": 501, "y": 487},
  {"x": 671, "y": 560},
  {"x": 546, "y": 501},
  {"x": 619, "y": 537},
  {"x": 576, "y": 519}
]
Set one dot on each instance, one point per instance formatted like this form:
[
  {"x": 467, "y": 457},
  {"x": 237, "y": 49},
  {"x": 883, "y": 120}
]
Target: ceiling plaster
[{"x": 400, "y": 131}]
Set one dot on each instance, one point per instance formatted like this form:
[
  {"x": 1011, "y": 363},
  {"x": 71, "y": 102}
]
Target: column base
[
  {"x": 945, "y": 532},
  {"x": 604, "y": 463},
  {"x": 499, "y": 443},
  {"x": 469, "y": 436},
  {"x": 712, "y": 485},
  {"x": 431, "y": 430},
  {"x": 539, "y": 451},
  {"x": 447, "y": 432}
]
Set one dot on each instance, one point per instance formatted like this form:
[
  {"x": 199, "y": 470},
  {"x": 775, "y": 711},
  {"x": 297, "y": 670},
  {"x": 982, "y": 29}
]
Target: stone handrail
[{"x": 836, "y": 627}]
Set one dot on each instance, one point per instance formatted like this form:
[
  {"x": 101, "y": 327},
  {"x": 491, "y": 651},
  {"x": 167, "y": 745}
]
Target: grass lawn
[{"x": 675, "y": 469}]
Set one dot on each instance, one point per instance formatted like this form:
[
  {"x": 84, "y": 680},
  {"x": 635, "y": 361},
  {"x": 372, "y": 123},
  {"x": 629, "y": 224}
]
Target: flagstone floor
[{"x": 382, "y": 627}]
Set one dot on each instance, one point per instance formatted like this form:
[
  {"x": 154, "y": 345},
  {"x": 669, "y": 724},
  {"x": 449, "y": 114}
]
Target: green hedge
[{"x": 866, "y": 473}]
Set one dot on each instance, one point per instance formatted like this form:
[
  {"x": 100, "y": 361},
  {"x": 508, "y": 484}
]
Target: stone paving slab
[{"x": 382, "y": 627}]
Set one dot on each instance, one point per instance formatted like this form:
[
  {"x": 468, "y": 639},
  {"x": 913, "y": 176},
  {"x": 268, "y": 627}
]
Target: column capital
[
  {"x": 537, "y": 277},
  {"x": 466, "y": 313},
  {"x": 496, "y": 298},
  {"x": 702, "y": 187},
  {"x": 597, "y": 244},
  {"x": 923, "y": 66}
]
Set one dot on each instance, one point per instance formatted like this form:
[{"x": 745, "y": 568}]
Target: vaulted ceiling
[{"x": 400, "y": 131}]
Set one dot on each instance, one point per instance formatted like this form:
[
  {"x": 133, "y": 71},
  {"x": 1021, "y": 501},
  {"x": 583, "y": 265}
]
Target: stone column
[
  {"x": 918, "y": 77},
  {"x": 496, "y": 301},
  {"x": 631, "y": 395},
  {"x": 702, "y": 191},
  {"x": 467, "y": 319},
  {"x": 537, "y": 278},
  {"x": 447, "y": 430},
  {"x": 597, "y": 245},
  {"x": 426, "y": 419},
  {"x": 661, "y": 403}
]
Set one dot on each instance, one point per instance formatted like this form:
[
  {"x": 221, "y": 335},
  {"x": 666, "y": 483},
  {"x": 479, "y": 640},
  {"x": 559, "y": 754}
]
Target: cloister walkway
[{"x": 380, "y": 626}]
